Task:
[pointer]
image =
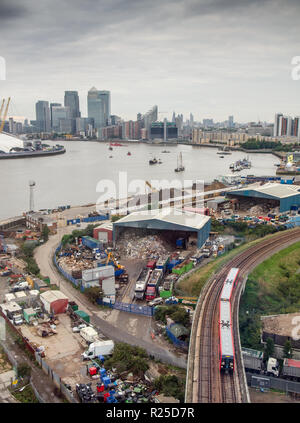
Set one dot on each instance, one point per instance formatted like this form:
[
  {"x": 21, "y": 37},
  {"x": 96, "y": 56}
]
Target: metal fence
[
  {"x": 273, "y": 383},
  {"x": 177, "y": 342},
  {"x": 38, "y": 396},
  {"x": 55, "y": 378},
  {"x": 9, "y": 355},
  {"x": 75, "y": 282}
]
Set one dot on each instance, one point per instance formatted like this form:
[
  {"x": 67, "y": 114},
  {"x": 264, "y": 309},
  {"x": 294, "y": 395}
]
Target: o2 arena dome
[{"x": 9, "y": 142}]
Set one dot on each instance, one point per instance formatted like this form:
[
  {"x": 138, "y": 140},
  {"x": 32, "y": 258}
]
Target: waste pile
[
  {"x": 147, "y": 247},
  {"x": 85, "y": 392}
]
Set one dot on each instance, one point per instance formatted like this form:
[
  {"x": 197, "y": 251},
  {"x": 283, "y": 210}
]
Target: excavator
[{"x": 119, "y": 268}]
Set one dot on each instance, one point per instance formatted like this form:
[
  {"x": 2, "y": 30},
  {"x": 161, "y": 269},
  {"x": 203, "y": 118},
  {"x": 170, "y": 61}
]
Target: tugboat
[
  {"x": 180, "y": 167},
  {"x": 153, "y": 161},
  {"x": 128, "y": 154},
  {"x": 165, "y": 151}
]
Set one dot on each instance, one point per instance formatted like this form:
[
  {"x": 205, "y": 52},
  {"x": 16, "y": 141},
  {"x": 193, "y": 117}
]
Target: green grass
[
  {"x": 273, "y": 287},
  {"x": 27, "y": 395},
  {"x": 193, "y": 284}
]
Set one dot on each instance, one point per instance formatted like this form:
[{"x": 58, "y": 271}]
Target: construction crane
[{"x": 5, "y": 114}]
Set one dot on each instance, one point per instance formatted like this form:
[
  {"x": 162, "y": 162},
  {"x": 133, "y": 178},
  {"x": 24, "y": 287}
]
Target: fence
[
  {"x": 38, "y": 396},
  {"x": 177, "y": 342},
  {"x": 9, "y": 355},
  {"x": 75, "y": 282},
  {"x": 274, "y": 383},
  {"x": 130, "y": 308},
  {"x": 55, "y": 378}
]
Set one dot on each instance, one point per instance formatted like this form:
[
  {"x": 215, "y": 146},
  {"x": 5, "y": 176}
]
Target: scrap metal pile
[{"x": 147, "y": 247}]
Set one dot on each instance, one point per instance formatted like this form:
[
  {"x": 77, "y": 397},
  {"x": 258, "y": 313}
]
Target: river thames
[{"x": 72, "y": 178}]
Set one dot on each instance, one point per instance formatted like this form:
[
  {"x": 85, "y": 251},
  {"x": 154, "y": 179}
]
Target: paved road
[{"x": 121, "y": 330}]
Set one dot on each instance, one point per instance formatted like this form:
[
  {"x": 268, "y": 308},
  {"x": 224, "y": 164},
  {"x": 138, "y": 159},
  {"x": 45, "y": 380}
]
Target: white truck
[
  {"x": 272, "y": 367},
  {"x": 20, "y": 286},
  {"x": 89, "y": 334},
  {"x": 98, "y": 348}
]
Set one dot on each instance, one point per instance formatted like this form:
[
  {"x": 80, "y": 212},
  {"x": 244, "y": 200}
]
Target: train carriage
[
  {"x": 226, "y": 338},
  {"x": 229, "y": 284}
]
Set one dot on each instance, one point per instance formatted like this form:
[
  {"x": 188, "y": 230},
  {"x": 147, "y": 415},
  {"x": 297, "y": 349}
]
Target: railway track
[{"x": 205, "y": 383}]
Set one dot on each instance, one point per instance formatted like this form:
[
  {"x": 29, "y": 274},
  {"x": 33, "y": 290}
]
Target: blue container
[{"x": 102, "y": 359}]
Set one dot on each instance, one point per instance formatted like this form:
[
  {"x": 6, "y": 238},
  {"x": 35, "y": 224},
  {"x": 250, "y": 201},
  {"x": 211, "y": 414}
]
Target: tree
[
  {"x": 24, "y": 370},
  {"x": 45, "y": 233},
  {"x": 287, "y": 349},
  {"x": 94, "y": 293},
  {"x": 269, "y": 349}
]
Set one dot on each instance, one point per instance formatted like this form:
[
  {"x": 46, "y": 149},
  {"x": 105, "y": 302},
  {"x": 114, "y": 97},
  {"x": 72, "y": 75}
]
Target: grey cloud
[{"x": 10, "y": 10}]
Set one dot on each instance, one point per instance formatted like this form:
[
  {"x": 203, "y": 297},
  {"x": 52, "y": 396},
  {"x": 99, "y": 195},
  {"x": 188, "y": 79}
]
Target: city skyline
[{"x": 211, "y": 58}]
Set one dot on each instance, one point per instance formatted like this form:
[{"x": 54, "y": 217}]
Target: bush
[
  {"x": 128, "y": 358},
  {"x": 170, "y": 385},
  {"x": 175, "y": 312},
  {"x": 94, "y": 293}
]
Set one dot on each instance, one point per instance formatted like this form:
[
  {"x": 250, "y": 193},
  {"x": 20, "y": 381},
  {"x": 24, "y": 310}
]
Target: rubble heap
[{"x": 147, "y": 247}]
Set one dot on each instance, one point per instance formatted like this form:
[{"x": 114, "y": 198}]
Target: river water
[{"x": 72, "y": 178}]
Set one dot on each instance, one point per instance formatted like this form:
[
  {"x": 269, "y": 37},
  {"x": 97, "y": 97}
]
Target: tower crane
[{"x": 5, "y": 113}]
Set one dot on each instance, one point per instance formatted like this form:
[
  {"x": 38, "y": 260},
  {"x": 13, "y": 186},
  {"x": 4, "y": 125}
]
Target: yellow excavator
[
  {"x": 111, "y": 257},
  {"x": 5, "y": 113}
]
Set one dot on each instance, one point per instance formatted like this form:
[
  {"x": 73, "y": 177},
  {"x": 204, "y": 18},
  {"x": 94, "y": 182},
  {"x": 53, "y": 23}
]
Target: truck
[
  {"x": 19, "y": 286},
  {"x": 252, "y": 360},
  {"x": 89, "y": 334},
  {"x": 291, "y": 369},
  {"x": 153, "y": 283},
  {"x": 141, "y": 284},
  {"x": 98, "y": 348}
]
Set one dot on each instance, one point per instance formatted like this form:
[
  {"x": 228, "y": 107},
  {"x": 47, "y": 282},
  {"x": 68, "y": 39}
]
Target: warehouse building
[
  {"x": 286, "y": 197},
  {"x": 169, "y": 222},
  {"x": 54, "y": 301}
]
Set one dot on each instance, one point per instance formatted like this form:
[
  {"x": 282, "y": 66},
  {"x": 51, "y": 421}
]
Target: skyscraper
[
  {"x": 71, "y": 100},
  {"x": 61, "y": 121},
  {"x": 230, "y": 122},
  {"x": 278, "y": 116},
  {"x": 105, "y": 97},
  {"x": 96, "y": 108},
  {"x": 42, "y": 116},
  {"x": 51, "y": 107}
]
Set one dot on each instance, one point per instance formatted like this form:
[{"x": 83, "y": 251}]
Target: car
[{"x": 155, "y": 302}]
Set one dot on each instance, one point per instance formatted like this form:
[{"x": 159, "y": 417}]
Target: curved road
[{"x": 44, "y": 255}]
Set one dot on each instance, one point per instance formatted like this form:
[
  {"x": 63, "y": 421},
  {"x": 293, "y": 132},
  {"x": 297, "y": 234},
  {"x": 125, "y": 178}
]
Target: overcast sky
[{"x": 213, "y": 58}]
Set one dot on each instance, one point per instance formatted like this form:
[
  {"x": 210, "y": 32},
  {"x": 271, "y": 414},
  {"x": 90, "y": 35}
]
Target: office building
[
  {"x": 61, "y": 120},
  {"x": 105, "y": 97},
  {"x": 71, "y": 100},
  {"x": 163, "y": 130},
  {"x": 51, "y": 106},
  {"x": 230, "y": 122},
  {"x": 42, "y": 116},
  {"x": 96, "y": 109}
]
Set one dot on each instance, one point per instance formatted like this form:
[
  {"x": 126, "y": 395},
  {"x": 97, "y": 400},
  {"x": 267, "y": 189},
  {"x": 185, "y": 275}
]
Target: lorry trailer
[
  {"x": 141, "y": 284},
  {"x": 152, "y": 286},
  {"x": 291, "y": 369},
  {"x": 98, "y": 348}
]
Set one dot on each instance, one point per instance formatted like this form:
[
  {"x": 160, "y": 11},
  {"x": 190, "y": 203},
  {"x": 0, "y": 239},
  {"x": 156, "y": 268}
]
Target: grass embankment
[
  {"x": 273, "y": 287},
  {"x": 193, "y": 284},
  {"x": 26, "y": 395}
]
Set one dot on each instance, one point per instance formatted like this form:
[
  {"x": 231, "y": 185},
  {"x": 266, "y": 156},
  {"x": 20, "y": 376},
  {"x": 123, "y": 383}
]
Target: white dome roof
[{"x": 7, "y": 142}]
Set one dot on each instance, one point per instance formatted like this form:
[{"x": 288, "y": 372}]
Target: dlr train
[{"x": 226, "y": 342}]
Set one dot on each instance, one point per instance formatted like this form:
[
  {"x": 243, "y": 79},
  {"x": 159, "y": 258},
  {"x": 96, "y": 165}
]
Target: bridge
[{"x": 205, "y": 383}]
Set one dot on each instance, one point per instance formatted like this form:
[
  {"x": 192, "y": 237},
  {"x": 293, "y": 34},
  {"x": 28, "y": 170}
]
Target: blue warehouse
[
  {"x": 286, "y": 197},
  {"x": 169, "y": 222}
]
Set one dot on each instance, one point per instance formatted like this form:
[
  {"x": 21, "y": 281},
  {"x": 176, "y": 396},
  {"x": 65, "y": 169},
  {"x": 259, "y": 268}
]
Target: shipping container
[
  {"x": 83, "y": 315},
  {"x": 90, "y": 242}
]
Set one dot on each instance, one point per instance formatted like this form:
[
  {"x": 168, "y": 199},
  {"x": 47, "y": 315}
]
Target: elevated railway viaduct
[{"x": 205, "y": 383}]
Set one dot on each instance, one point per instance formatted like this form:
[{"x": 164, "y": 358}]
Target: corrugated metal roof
[
  {"x": 168, "y": 215},
  {"x": 272, "y": 189},
  {"x": 51, "y": 296}
]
